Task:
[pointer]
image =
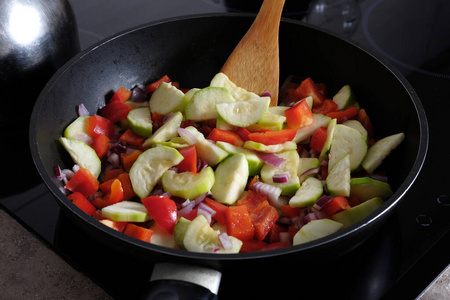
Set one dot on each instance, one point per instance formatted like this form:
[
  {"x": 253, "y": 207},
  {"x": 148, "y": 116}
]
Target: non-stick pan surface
[{"x": 192, "y": 50}]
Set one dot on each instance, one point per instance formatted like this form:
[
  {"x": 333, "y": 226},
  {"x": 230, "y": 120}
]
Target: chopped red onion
[
  {"x": 271, "y": 158},
  {"x": 225, "y": 240},
  {"x": 138, "y": 94},
  {"x": 206, "y": 211},
  {"x": 187, "y": 209},
  {"x": 308, "y": 173},
  {"x": 75, "y": 168},
  {"x": 266, "y": 94},
  {"x": 379, "y": 177},
  {"x": 281, "y": 177},
  {"x": 320, "y": 203},
  {"x": 272, "y": 192},
  {"x": 63, "y": 174},
  {"x": 167, "y": 117},
  {"x": 201, "y": 164},
  {"x": 114, "y": 159},
  {"x": 187, "y": 136},
  {"x": 82, "y": 110},
  {"x": 314, "y": 216}
]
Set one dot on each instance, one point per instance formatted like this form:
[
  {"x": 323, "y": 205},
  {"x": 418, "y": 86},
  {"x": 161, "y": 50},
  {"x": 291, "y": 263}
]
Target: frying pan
[{"x": 191, "y": 50}]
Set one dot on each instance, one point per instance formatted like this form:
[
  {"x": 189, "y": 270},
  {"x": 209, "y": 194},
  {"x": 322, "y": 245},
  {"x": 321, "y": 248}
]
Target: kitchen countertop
[{"x": 32, "y": 270}]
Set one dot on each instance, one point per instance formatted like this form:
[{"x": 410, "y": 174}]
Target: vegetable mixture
[{"x": 218, "y": 170}]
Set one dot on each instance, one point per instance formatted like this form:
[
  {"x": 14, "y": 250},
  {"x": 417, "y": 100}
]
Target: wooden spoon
[{"x": 254, "y": 63}]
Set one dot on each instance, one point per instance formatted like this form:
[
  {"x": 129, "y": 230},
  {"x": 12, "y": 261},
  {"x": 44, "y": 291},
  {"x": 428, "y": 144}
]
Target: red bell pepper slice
[
  {"x": 299, "y": 115},
  {"x": 132, "y": 138},
  {"x": 100, "y": 125},
  {"x": 263, "y": 218},
  {"x": 326, "y": 107},
  {"x": 189, "y": 163},
  {"x": 115, "y": 111},
  {"x": 277, "y": 245},
  {"x": 342, "y": 115},
  {"x": 100, "y": 143},
  {"x": 128, "y": 159},
  {"x": 83, "y": 182},
  {"x": 274, "y": 234},
  {"x": 150, "y": 88},
  {"x": 121, "y": 95},
  {"x": 115, "y": 195},
  {"x": 127, "y": 187},
  {"x": 239, "y": 223},
  {"x": 220, "y": 209},
  {"x": 225, "y": 136},
  {"x": 252, "y": 246},
  {"x": 308, "y": 88},
  {"x": 82, "y": 203},
  {"x": 163, "y": 210},
  {"x": 112, "y": 174},
  {"x": 116, "y": 225},
  {"x": 273, "y": 137},
  {"x": 318, "y": 139},
  {"x": 364, "y": 119},
  {"x": 252, "y": 200},
  {"x": 335, "y": 205},
  {"x": 138, "y": 232},
  {"x": 289, "y": 211}
]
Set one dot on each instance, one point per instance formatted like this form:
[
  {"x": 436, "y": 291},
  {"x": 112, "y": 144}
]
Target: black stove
[{"x": 399, "y": 261}]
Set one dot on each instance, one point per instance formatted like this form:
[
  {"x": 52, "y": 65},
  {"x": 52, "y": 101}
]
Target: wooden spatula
[{"x": 254, "y": 63}]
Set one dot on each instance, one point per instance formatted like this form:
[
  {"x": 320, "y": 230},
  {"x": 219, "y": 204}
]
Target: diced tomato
[
  {"x": 121, "y": 95},
  {"x": 115, "y": 111},
  {"x": 273, "y": 137},
  {"x": 112, "y": 174},
  {"x": 326, "y": 107},
  {"x": 252, "y": 200},
  {"x": 239, "y": 223},
  {"x": 299, "y": 115},
  {"x": 189, "y": 163},
  {"x": 99, "y": 125},
  {"x": 115, "y": 195},
  {"x": 132, "y": 138},
  {"x": 252, "y": 246},
  {"x": 318, "y": 139},
  {"x": 116, "y": 225},
  {"x": 219, "y": 208},
  {"x": 141, "y": 233},
  {"x": 150, "y": 88},
  {"x": 263, "y": 218},
  {"x": 83, "y": 182},
  {"x": 309, "y": 88},
  {"x": 100, "y": 144},
  {"x": 274, "y": 234},
  {"x": 243, "y": 133},
  {"x": 364, "y": 119},
  {"x": 163, "y": 210},
  {"x": 82, "y": 203},
  {"x": 127, "y": 187},
  {"x": 289, "y": 211},
  {"x": 225, "y": 136},
  {"x": 128, "y": 159},
  {"x": 342, "y": 115},
  {"x": 335, "y": 205}
]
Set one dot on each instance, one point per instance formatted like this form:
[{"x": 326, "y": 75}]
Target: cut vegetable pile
[{"x": 217, "y": 170}]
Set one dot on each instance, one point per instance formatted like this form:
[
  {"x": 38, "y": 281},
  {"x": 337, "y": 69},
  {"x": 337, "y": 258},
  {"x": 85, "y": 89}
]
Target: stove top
[{"x": 401, "y": 259}]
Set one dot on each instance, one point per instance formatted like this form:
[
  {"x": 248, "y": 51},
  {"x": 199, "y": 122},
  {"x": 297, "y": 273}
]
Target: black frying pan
[{"x": 191, "y": 50}]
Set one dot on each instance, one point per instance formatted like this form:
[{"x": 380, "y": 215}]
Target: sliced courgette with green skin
[
  {"x": 140, "y": 121},
  {"x": 180, "y": 230},
  {"x": 358, "y": 212},
  {"x": 200, "y": 237},
  {"x": 76, "y": 128},
  {"x": 231, "y": 179},
  {"x": 167, "y": 98},
  {"x": 330, "y": 133},
  {"x": 316, "y": 229},
  {"x": 358, "y": 126},
  {"x": 347, "y": 140},
  {"x": 202, "y": 105},
  {"x": 187, "y": 184},
  {"x": 150, "y": 166},
  {"x": 365, "y": 188},
  {"x": 344, "y": 97},
  {"x": 286, "y": 146},
  {"x": 291, "y": 166},
  {"x": 338, "y": 179},
  {"x": 126, "y": 211},
  {"x": 308, "y": 193},
  {"x": 253, "y": 160},
  {"x": 378, "y": 151},
  {"x": 166, "y": 132},
  {"x": 83, "y": 155},
  {"x": 238, "y": 93},
  {"x": 243, "y": 113}
]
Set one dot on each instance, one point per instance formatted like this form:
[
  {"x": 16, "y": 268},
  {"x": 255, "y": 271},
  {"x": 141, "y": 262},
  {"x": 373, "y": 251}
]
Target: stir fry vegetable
[{"x": 217, "y": 170}]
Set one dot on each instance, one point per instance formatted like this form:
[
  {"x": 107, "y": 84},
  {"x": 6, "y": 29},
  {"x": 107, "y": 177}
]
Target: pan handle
[{"x": 176, "y": 281}]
